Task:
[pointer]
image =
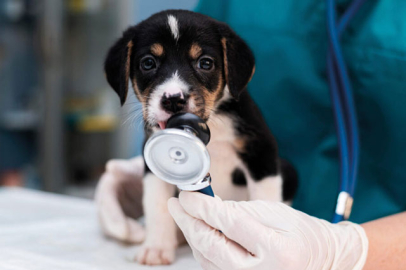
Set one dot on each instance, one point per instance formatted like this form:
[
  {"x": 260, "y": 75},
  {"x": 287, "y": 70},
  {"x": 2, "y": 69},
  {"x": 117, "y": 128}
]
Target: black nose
[{"x": 174, "y": 103}]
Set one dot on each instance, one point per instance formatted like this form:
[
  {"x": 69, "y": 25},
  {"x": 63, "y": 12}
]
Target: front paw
[{"x": 156, "y": 255}]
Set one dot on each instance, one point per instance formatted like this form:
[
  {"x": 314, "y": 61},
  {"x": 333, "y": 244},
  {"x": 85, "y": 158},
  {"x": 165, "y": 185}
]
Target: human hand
[
  {"x": 264, "y": 235},
  {"x": 119, "y": 200}
]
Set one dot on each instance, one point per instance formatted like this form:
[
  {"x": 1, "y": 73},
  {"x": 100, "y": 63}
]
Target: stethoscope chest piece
[{"x": 178, "y": 155}]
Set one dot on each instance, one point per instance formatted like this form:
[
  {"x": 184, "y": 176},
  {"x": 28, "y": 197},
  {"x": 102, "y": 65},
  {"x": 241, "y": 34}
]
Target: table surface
[{"x": 41, "y": 230}]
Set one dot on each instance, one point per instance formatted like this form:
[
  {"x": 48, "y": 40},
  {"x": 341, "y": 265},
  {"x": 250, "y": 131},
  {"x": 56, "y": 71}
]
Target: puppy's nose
[{"x": 173, "y": 103}]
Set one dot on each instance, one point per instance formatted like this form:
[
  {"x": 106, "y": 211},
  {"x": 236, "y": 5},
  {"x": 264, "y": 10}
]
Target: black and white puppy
[{"x": 181, "y": 61}]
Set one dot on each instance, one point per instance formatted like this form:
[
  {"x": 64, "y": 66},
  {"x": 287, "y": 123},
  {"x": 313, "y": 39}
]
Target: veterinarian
[{"x": 289, "y": 39}]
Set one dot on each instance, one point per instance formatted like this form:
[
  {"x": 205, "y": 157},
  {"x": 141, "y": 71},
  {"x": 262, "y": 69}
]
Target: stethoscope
[{"x": 178, "y": 154}]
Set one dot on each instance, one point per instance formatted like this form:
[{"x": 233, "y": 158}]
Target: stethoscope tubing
[
  {"x": 342, "y": 99},
  {"x": 207, "y": 191}
]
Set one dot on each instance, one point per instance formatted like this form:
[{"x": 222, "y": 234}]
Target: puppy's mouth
[{"x": 161, "y": 124}]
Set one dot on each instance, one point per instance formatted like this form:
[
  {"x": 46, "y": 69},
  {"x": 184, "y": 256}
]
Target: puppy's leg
[{"x": 161, "y": 240}]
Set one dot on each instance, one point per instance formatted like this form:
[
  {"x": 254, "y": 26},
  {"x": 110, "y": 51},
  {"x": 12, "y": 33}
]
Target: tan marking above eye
[
  {"x": 157, "y": 49},
  {"x": 195, "y": 51}
]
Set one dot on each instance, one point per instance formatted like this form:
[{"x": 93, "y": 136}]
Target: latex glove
[
  {"x": 265, "y": 235},
  {"x": 119, "y": 200}
]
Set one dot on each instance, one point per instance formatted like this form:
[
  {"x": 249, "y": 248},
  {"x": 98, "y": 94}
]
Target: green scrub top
[{"x": 289, "y": 40}]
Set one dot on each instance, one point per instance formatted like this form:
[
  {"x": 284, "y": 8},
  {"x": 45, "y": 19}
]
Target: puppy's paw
[{"x": 155, "y": 255}]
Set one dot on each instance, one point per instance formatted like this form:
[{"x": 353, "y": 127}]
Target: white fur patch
[
  {"x": 191, "y": 105},
  {"x": 174, "y": 85},
  {"x": 221, "y": 128},
  {"x": 173, "y": 25},
  {"x": 226, "y": 96},
  {"x": 267, "y": 189},
  {"x": 224, "y": 159}
]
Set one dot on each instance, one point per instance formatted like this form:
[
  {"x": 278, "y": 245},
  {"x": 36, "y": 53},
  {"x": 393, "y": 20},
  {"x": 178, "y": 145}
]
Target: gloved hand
[
  {"x": 119, "y": 200},
  {"x": 265, "y": 235}
]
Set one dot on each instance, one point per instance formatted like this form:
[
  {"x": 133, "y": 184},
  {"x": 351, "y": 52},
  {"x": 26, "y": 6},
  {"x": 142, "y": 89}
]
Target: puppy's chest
[
  {"x": 222, "y": 137},
  {"x": 224, "y": 159}
]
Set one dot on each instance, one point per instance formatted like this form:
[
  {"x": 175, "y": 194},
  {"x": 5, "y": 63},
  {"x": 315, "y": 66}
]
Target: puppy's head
[{"x": 179, "y": 61}]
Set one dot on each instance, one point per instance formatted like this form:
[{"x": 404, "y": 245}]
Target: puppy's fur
[{"x": 181, "y": 61}]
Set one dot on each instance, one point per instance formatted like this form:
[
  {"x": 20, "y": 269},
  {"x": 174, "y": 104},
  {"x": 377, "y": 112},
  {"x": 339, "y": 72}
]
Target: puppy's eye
[
  {"x": 205, "y": 63},
  {"x": 148, "y": 63}
]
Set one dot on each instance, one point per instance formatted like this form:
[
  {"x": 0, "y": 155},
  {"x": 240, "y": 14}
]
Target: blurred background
[{"x": 59, "y": 120}]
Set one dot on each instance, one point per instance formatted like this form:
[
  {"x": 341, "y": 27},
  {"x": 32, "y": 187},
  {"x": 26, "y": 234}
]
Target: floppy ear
[
  {"x": 239, "y": 62},
  {"x": 118, "y": 63}
]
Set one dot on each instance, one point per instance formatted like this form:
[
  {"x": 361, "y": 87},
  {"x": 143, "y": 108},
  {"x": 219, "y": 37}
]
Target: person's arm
[{"x": 387, "y": 243}]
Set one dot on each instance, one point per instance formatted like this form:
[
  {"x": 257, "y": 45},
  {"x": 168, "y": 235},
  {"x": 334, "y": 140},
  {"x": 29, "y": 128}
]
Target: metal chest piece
[{"x": 178, "y": 154}]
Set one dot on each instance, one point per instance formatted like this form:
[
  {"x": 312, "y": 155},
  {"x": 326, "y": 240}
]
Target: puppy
[{"x": 181, "y": 61}]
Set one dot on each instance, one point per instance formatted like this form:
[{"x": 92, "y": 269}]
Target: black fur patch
[
  {"x": 238, "y": 178},
  {"x": 290, "y": 180},
  {"x": 260, "y": 153}
]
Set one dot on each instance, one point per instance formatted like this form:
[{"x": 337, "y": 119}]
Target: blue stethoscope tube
[
  {"x": 343, "y": 106},
  {"x": 207, "y": 191}
]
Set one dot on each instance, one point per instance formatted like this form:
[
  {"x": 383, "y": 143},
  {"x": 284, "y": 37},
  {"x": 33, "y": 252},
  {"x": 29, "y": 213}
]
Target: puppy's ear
[
  {"x": 239, "y": 62},
  {"x": 118, "y": 63}
]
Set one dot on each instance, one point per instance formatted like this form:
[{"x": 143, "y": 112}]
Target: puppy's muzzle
[{"x": 173, "y": 103}]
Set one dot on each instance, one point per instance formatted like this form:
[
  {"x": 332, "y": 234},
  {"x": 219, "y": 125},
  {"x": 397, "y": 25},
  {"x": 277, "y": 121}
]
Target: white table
[{"x": 40, "y": 231}]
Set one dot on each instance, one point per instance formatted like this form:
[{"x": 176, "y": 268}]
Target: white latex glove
[
  {"x": 265, "y": 235},
  {"x": 119, "y": 200}
]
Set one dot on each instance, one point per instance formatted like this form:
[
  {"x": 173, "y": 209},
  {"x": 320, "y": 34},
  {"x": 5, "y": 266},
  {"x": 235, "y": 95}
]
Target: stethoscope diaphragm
[{"x": 177, "y": 157}]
